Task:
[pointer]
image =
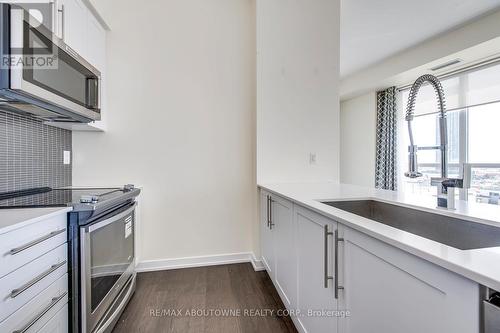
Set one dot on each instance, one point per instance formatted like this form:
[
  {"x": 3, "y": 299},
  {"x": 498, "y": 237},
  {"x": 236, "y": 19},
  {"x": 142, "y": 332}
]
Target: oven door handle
[{"x": 112, "y": 219}]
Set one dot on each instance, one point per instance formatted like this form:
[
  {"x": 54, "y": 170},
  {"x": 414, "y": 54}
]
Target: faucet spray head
[{"x": 412, "y": 163}]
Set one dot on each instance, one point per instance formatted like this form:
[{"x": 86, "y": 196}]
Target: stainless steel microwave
[{"x": 41, "y": 75}]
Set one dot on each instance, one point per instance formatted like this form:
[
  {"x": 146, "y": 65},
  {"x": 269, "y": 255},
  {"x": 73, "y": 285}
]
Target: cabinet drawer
[
  {"x": 39, "y": 311},
  {"x": 20, "y": 246},
  {"x": 20, "y": 286},
  {"x": 58, "y": 323}
]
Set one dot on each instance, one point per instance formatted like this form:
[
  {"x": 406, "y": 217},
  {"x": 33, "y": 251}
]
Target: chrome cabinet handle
[
  {"x": 267, "y": 211},
  {"x": 327, "y": 277},
  {"x": 54, "y": 301},
  {"x": 35, "y": 242},
  {"x": 63, "y": 19},
  {"x": 337, "y": 287},
  {"x": 271, "y": 223},
  {"x": 16, "y": 292}
]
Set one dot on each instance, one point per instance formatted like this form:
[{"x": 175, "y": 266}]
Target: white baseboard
[
  {"x": 257, "y": 264},
  {"x": 221, "y": 259}
]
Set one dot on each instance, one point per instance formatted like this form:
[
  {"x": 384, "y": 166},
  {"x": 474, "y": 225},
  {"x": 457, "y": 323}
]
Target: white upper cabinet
[
  {"x": 82, "y": 31},
  {"x": 78, "y": 25},
  {"x": 73, "y": 24},
  {"x": 95, "y": 42}
]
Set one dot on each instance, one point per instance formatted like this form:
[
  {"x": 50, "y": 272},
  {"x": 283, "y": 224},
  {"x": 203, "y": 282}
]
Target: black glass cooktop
[{"x": 48, "y": 197}]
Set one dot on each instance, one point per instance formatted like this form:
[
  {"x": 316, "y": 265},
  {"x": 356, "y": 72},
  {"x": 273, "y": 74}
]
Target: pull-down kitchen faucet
[{"x": 446, "y": 186}]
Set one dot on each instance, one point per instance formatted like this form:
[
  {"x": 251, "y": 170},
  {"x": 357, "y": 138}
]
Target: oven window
[
  {"x": 67, "y": 78},
  {"x": 111, "y": 252}
]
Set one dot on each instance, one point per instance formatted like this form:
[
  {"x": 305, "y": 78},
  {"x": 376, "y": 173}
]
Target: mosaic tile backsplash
[{"x": 31, "y": 153}]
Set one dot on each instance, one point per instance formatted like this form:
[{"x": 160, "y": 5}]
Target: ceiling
[{"x": 372, "y": 30}]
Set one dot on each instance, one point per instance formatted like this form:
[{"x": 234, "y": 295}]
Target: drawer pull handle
[
  {"x": 35, "y": 242},
  {"x": 16, "y": 292},
  {"x": 54, "y": 301}
]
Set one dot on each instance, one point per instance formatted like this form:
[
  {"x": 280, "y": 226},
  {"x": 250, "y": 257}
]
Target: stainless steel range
[
  {"x": 101, "y": 235},
  {"x": 101, "y": 241}
]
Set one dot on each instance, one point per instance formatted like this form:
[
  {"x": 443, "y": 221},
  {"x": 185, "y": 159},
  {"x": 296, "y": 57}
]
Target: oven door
[
  {"x": 107, "y": 262},
  {"x": 45, "y": 68}
]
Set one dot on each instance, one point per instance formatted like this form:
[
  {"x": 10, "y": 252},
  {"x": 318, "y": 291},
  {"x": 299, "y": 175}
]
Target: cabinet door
[
  {"x": 313, "y": 295},
  {"x": 266, "y": 234},
  {"x": 73, "y": 18},
  {"x": 286, "y": 261},
  {"x": 95, "y": 43},
  {"x": 391, "y": 291},
  {"x": 96, "y": 56}
]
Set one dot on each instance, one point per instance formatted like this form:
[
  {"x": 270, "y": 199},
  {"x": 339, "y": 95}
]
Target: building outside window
[{"x": 473, "y": 104}]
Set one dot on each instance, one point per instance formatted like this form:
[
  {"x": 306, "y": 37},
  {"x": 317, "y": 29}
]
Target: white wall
[
  {"x": 358, "y": 118},
  {"x": 297, "y": 90},
  {"x": 181, "y": 123}
]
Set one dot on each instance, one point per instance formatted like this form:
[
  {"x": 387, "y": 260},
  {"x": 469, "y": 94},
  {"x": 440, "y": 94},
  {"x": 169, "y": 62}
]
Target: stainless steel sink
[{"x": 458, "y": 233}]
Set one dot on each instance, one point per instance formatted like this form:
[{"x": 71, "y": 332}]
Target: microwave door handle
[{"x": 93, "y": 92}]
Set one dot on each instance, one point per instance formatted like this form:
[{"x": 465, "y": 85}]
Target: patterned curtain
[{"x": 385, "y": 166}]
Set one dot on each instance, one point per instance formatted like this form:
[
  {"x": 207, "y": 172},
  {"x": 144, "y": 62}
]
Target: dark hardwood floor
[{"x": 218, "y": 299}]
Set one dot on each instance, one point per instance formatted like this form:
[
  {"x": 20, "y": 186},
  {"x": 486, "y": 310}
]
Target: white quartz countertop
[
  {"x": 11, "y": 219},
  {"x": 480, "y": 265}
]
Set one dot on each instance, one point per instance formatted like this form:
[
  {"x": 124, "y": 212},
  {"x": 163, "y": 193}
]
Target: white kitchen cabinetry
[
  {"x": 278, "y": 237},
  {"x": 83, "y": 30},
  {"x": 380, "y": 287},
  {"x": 58, "y": 323},
  {"x": 34, "y": 279},
  {"x": 73, "y": 24},
  {"x": 51, "y": 231},
  {"x": 284, "y": 240},
  {"x": 391, "y": 291},
  {"x": 266, "y": 234},
  {"x": 315, "y": 247},
  {"x": 95, "y": 42}
]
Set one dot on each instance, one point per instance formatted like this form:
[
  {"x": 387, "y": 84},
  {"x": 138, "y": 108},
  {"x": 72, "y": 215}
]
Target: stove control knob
[{"x": 89, "y": 198}]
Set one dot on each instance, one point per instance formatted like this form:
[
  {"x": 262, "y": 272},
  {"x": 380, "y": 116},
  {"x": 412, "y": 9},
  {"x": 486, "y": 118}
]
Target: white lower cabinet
[
  {"x": 33, "y": 277},
  {"x": 58, "y": 323},
  {"x": 40, "y": 310},
  {"x": 266, "y": 234},
  {"x": 284, "y": 249},
  {"x": 315, "y": 246},
  {"x": 278, "y": 245},
  {"x": 380, "y": 287},
  {"x": 391, "y": 291}
]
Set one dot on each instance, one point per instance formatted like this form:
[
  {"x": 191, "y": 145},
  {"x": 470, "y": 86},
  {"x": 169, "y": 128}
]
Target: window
[{"x": 473, "y": 103}]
